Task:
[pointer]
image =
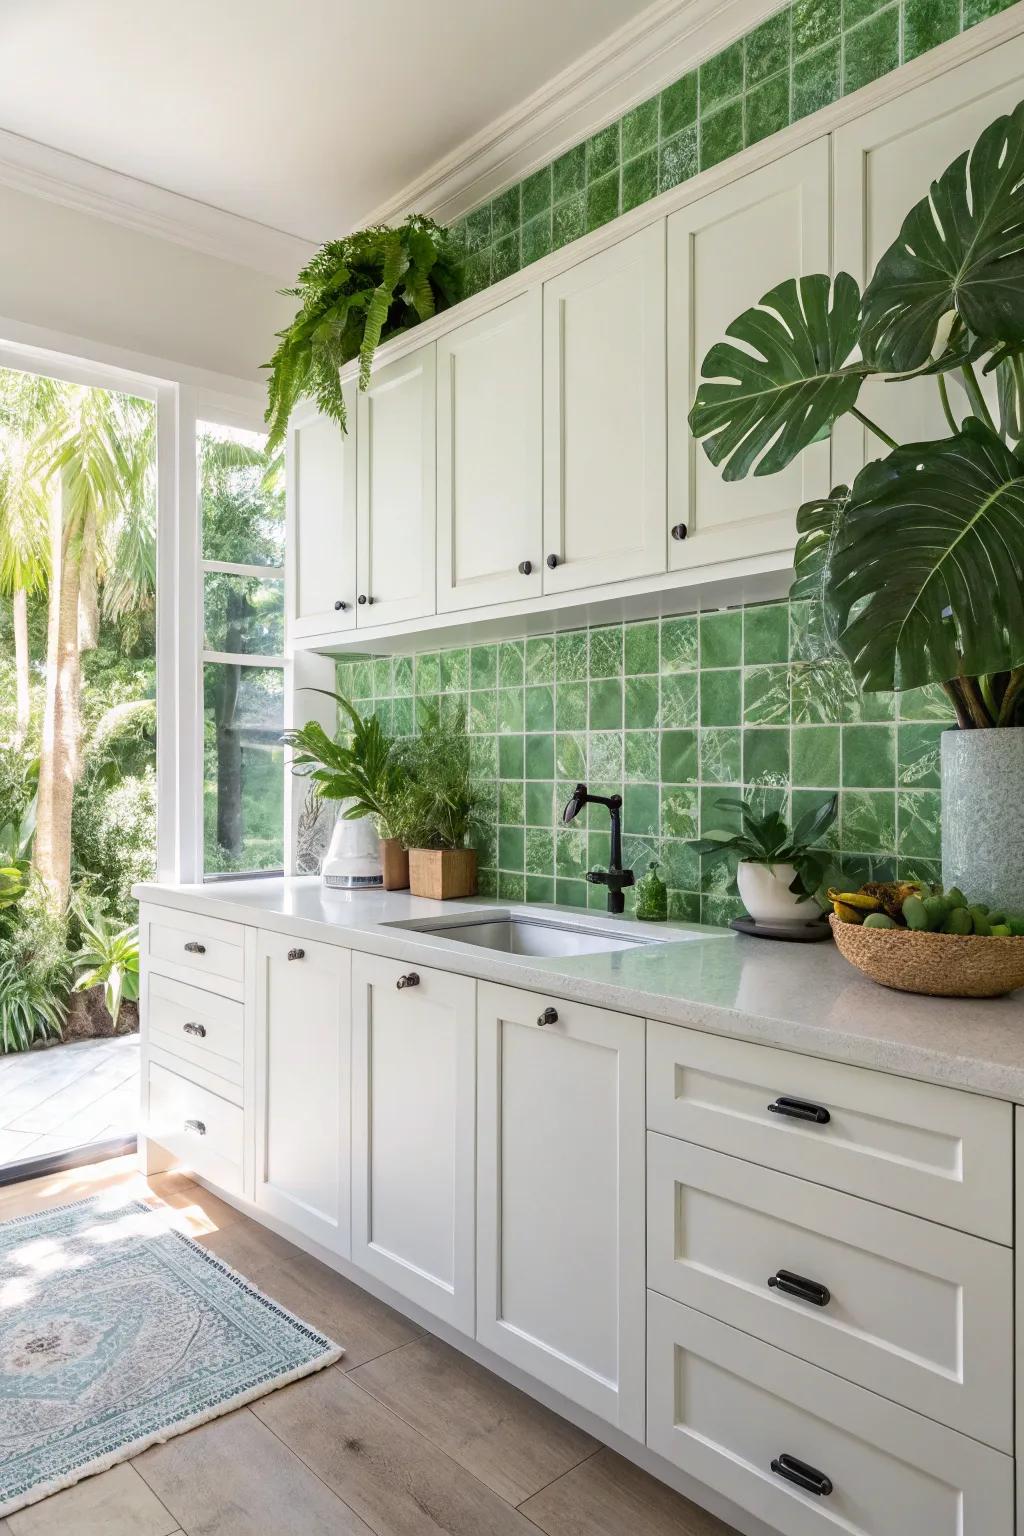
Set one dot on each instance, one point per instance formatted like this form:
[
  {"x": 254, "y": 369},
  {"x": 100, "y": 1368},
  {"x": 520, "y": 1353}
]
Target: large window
[{"x": 242, "y": 520}]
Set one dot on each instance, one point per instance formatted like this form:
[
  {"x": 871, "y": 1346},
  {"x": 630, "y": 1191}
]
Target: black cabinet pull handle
[
  {"x": 409, "y": 980},
  {"x": 340, "y": 606},
  {"x": 525, "y": 567},
  {"x": 551, "y": 562},
  {"x": 805, "y": 1477},
  {"x": 799, "y": 1109},
  {"x": 193, "y": 947},
  {"x": 679, "y": 531},
  {"x": 296, "y": 954},
  {"x": 199, "y": 1030},
  {"x": 549, "y": 1016},
  {"x": 196, "y": 1125},
  {"x": 804, "y": 1290}
]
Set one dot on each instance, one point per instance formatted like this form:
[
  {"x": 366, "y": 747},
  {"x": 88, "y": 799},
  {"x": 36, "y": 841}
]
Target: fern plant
[
  {"x": 443, "y": 808},
  {"x": 354, "y": 294}
]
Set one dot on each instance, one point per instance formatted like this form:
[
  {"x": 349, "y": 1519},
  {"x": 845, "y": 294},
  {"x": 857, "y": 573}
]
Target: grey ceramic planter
[{"x": 982, "y": 792}]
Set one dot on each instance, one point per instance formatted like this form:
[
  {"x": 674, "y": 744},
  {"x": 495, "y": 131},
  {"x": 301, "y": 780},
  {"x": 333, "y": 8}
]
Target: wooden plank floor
[{"x": 405, "y": 1437}]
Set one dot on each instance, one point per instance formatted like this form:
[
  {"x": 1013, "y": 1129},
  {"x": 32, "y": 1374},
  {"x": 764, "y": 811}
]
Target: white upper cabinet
[
  {"x": 724, "y": 253},
  {"x": 604, "y": 416},
  {"x": 396, "y": 492},
  {"x": 884, "y": 163},
  {"x": 321, "y": 521},
  {"x": 560, "y": 1220},
  {"x": 489, "y": 545}
]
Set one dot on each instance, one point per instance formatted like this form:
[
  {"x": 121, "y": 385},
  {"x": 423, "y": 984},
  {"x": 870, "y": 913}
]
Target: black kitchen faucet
[{"x": 614, "y": 877}]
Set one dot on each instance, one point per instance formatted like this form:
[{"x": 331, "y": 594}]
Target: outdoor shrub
[{"x": 114, "y": 838}]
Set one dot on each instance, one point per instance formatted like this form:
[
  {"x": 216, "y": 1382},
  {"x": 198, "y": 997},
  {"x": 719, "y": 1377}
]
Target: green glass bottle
[{"x": 651, "y": 896}]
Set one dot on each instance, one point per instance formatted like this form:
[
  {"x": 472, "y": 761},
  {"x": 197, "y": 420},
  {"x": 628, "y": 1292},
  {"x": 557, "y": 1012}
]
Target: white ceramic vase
[{"x": 764, "y": 890}]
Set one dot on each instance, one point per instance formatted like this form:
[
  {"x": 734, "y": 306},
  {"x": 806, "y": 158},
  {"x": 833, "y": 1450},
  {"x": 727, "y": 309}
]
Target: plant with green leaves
[
  {"x": 765, "y": 838},
  {"x": 443, "y": 807},
  {"x": 354, "y": 294},
  {"x": 108, "y": 958},
  {"x": 917, "y": 569},
  {"x": 35, "y": 974},
  {"x": 364, "y": 769}
]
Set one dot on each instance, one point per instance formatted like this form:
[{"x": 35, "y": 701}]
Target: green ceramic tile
[
  {"x": 606, "y": 704},
  {"x": 569, "y": 173},
  {"x": 602, "y": 152},
  {"x": 540, "y": 756},
  {"x": 602, "y": 200},
  {"x": 718, "y": 876},
  {"x": 642, "y": 702},
  {"x": 403, "y": 676},
  {"x": 511, "y": 802},
  {"x": 571, "y": 706},
  {"x": 766, "y": 634},
  {"x": 815, "y": 22},
  {"x": 678, "y": 645},
  {"x": 536, "y": 238},
  {"x": 679, "y": 699},
  {"x": 871, "y": 50},
  {"x": 678, "y": 757},
  {"x": 721, "y": 77},
  {"x": 766, "y": 755},
  {"x": 805, "y": 802},
  {"x": 821, "y": 693},
  {"x": 540, "y": 708},
  {"x": 639, "y": 179},
  {"x": 928, "y": 703},
  {"x": 505, "y": 257},
  {"x": 478, "y": 228},
  {"x": 918, "y": 756},
  {"x": 856, "y": 11},
  {"x": 483, "y": 755},
  {"x": 510, "y": 757},
  {"x": 483, "y": 711},
  {"x": 817, "y": 80},
  {"x": 981, "y": 10},
  {"x": 873, "y": 706},
  {"x": 867, "y": 821},
  {"x": 721, "y": 135},
  {"x": 766, "y": 48},
  {"x": 476, "y": 273},
  {"x": 599, "y": 847},
  {"x": 511, "y": 710},
  {"x": 869, "y": 756},
  {"x": 680, "y": 864},
  {"x": 719, "y": 911},
  {"x": 918, "y": 813},
  {"x": 640, "y": 648},
  {"x": 540, "y": 804},
  {"x": 721, "y": 755},
  {"x": 926, "y": 23},
  {"x": 455, "y": 671},
  {"x": 766, "y": 109},
  {"x": 766, "y": 695},
  {"x": 679, "y": 158},
  {"x": 679, "y": 811},
  {"x": 571, "y": 852},
  {"x": 571, "y": 656},
  {"x": 606, "y": 650},
  {"x": 382, "y": 677},
  {"x": 511, "y": 668},
  {"x": 402, "y": 717},
  {"x": 484, "y": 666},
  {"x": 928, "y": 870},
  {"x": 604, "y": 755},
  {"x": 506, "y": 215},
  {"x": 428, "y": 674},
  {"x": 510, "y": 847},
  {"x": 487, "y": 882},
  {"x": 571, "y": 893},
  {"x": 540, "y": 850},
  {"x": 568, "y": 221},
  {"x": 640, "y": 129},
  {"x": 678, "y": 104},
  {"x": 511, "y": 887},
  {"x": 362, "y": 679},
  {"x": 642, "y": 756},
  {"x": 540, "y": 888},
  {"x": 540, "y": 659},
  {"x": 721, "y": 638},
  {"x": 815, "y": 754},
  {"x": 536, "y": 194},
  {"x": 641, "y": 810},
  {"x": 571, "y": 756},
  {"x": 720, "y": 697}
]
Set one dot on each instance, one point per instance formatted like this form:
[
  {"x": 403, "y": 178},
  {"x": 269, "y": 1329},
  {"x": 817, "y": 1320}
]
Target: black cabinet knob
[
  {"x": 806, "y": 1477},
  {"x": 409, "y": 980},
  {"x": 340, "y": 606},
  {"x": 799, "y": 1109},
  {"x": 549, "y": 1016},
  {"x": 551, "y": 562},
  {"x": 193, "y": 947},
  {"x": 296, "y": 954},
  {"x": 525, "y": 567},
  {"x": 679, "y": 531}
]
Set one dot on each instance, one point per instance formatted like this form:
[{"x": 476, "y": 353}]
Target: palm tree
[{"x": 88, "y": 451}]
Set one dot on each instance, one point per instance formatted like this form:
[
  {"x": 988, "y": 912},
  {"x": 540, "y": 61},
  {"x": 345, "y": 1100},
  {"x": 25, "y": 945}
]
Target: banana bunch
[{"x": 885, "y": 896}]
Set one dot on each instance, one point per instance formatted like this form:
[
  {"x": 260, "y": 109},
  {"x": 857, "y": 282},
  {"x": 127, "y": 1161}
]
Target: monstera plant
[
  {"x": 354, "y": 294},
  {"x": 917, "y": 568}
]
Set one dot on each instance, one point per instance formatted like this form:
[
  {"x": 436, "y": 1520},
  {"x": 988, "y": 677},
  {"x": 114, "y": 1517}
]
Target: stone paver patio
[{"x": 68, "y": 1096}]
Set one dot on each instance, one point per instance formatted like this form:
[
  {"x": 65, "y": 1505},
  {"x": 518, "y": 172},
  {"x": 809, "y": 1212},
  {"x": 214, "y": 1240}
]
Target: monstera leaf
[
  {"x": 786, "y": 383},
  {"x": 960, "y": 249},
  {"x": 927, "y": 575},
  {"x": 819, "y": 525}
]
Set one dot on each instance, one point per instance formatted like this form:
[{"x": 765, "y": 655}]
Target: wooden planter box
[
  {"x": 442, "y": 873},
  {"x": 394, "y": 862}
]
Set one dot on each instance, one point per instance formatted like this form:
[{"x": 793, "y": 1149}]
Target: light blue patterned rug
[{"x": 116, "y": 1333}]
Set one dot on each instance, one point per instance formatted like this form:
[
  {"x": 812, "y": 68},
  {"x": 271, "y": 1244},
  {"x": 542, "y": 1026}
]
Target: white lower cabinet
[
  {"x": 303, "y": 1033},
  {"x": 803, "y": 1450},
  {"x": 414, "y": 1133},
  {"x": 560, "y": 1176}
]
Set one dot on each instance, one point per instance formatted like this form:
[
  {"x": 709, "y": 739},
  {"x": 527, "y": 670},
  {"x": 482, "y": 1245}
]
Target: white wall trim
[{"x": 41, "y": 171}]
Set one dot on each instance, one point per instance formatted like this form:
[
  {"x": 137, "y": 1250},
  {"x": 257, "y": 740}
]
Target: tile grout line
[{"x": 574, "y": 1468}]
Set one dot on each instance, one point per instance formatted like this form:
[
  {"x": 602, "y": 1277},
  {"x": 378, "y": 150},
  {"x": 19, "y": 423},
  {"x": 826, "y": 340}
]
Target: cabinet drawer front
[
  {"x": 915, "y": 1311},
  {"x": 191, "y": 946},
  {"x": 196, "y": 1125},
  {"x": 723, "y": 1407},
  {"x": 202, "y": 1028},
  {"x": 934, "y": 1152}
]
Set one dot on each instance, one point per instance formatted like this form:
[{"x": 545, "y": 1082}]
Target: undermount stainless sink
[{"x": 515, "y": 935}]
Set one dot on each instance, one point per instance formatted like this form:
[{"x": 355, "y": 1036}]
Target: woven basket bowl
[{"x": 937, "y": 964}]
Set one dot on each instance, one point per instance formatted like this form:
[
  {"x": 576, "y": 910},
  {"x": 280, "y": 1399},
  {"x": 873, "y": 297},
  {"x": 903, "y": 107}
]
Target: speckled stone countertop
[{"x": 803, "y": 997}]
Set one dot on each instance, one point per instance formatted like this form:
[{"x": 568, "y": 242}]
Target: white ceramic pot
[{"x": 764, "y": 890}]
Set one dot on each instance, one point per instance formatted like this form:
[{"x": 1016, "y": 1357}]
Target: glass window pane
[
  {"x": 243, "y": 614},
  {"x": 241, "y": 496},
  {"x": 243, "y": 768}
]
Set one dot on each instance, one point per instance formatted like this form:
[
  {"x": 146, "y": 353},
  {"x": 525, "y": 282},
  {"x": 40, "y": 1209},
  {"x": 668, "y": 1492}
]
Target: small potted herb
[
  {"x": 443, "y": 810},
  {"x": 779, "y": 870}
]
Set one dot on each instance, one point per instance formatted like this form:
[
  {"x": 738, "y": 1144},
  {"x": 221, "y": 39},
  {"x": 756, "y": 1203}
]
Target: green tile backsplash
[
  {"x": 807, "y": 55},
  {"x": 673, "y": 714}
]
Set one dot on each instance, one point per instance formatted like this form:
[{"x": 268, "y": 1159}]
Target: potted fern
[
  {"x": 916, "y": 571},
  {"x": 443, "y": 809}
]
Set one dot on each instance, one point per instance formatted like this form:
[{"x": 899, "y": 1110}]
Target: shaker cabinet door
[{"x": 321, "y": 495}]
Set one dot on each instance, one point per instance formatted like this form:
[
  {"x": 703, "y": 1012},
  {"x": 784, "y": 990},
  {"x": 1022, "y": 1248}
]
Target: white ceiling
[{"x": 304, "y": 115}]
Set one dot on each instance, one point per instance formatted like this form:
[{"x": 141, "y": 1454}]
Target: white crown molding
[
  {"x": 26, "y": 166},
  {"x": 635, "y": 62}
]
